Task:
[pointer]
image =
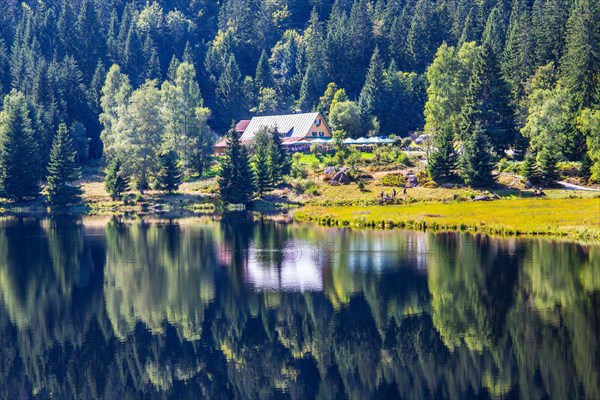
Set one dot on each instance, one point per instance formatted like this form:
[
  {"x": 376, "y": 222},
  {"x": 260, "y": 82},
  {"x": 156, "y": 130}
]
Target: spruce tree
[
  {"x": 236, "y": 180},
  {"x": 442, "y": 160},
  {"x": 115, "y": 182},
  {"x": 372, "y": 94},
  {"x": 529, "y": 168},
  {"x": 488, "y": 102},
  {"x": 170, "y": 176},
  {"x": 547, "y": 161},
  {"x": 19, "y": 168},
  {"x": 278, "y": 157},
  {"x": 476, "y": 164},
  {"x": 262, "y": 170},
  {"x": 63, "y": 171},
  {"x": 264, "y": 76}
]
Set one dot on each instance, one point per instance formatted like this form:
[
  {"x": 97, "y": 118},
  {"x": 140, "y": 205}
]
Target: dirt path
[{"x": 571, "y": 186}]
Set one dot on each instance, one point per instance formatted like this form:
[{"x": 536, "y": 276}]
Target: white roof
[{"x": 289, "y": 126}]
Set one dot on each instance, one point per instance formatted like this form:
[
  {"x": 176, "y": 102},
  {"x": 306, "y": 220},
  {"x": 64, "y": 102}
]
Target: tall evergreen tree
[
  {"x": 115, "y": 181},
  {"x": 264, "y": 76},
  {"x": 488, "y": 102},
  {"x": 372, "y": 94},
  {"x": 169, "y": 177},
  {"x": 19, "y": 168},
  {"x": 262, "y": 163},
  {"x": 476, "y": 163},
  {"x": 278, "y": 158},
  {"x": 580, "y": 65},
  {"x": 63, "y": 171},
  {"x": 229, "y": 93},
  {"x": 529, "y": 169},
  {"x": 236, "y": 179},
  {"x": 442, "y": 160},
  {"x": 547, "y": 161}
]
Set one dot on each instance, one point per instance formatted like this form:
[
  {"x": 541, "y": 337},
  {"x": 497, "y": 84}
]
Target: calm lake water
[{"x": 236, "y": 307}]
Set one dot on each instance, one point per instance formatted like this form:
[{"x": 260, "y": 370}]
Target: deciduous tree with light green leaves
[
  {"x": 589, "y": 123},
  {"x": 138, "y": 136},
  {"x": 187, "y": 131}
]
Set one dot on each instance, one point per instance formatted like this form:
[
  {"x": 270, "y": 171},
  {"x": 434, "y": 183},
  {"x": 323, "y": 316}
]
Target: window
[
  {"x": 320, "y": 133},
  {"x": 318, "y": 122},
  {"x": 314, "y": 133}
]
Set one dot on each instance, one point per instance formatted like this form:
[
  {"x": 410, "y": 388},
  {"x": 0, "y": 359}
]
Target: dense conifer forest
[{"x": 142, "y": 78}]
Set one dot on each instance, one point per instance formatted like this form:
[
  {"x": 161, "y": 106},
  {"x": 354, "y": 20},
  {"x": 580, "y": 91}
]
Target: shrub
[
  {"x": 393, "y": 180},
  {"x": 329, "y": 161},
  {"x": 403, "y": 159}
]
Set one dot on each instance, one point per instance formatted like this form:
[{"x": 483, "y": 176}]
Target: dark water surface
[{"x": 236, "y": 308}]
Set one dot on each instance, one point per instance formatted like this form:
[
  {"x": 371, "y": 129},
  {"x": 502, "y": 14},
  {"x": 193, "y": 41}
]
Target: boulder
[
  {"x": 447, "y": 186},
  {"x": 486, "y": 198},
  {"x": 340, "y": 179},
  {"x": 330, "y": 170}
]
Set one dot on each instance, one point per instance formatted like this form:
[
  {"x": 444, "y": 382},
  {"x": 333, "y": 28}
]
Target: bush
[
  {"x": 569, "y": 168},
  {"x": 396, "y": 180},
  {"x": 329, "y": 161},
  {"x": 403, "y": 159}
]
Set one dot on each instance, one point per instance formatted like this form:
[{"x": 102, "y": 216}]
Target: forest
[{"x": 162, "y": 80}]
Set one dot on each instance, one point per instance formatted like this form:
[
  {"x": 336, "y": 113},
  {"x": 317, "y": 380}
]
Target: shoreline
[
  {"x": 576, "y": 218},
  {"x": 559, "y": 217}
]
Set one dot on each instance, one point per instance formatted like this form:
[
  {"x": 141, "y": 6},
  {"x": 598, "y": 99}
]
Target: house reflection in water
[{"x": 294, "y": 268}]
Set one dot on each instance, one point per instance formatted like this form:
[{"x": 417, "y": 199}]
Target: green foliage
[
  {"x": 476, "y": 163},
  {"x": 186, "y": 131},
  {"x": 449, "y": 76},
  {"x": 529, "y": 169},
  {"x": 395, "y": 180},
  {"x": 63, "y": 172},
  {"x": 169, "y": 177},
  {"x": 589, "y": 122},
  {"x": 442, "y": 159},
  {"x": 262, "y": 162},
  {"x": 19, "y": 172},
  {"x": 547, "y": 161},
  {"x": 115, "y": 182},
  {"x": 236, "y": 179},
  {"x": 345, "y": 116},
  {"x": 488, "y": 102},
  {"x": 279, "y": 159}
]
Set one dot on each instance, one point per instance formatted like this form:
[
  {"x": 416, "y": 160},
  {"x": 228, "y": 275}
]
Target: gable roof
[
  {"x": 242, "y": 125},
  {"x": 289, "y": 125}
]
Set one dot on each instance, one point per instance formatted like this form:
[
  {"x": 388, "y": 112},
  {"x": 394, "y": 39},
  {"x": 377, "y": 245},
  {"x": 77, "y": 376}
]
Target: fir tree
[
  {"x": 264, "y": 76},
  {"x": 279, "y": 159},
  {"x": 170, "y": 176},
  {"x": 63, "y": 171},
  {"x": 442, "y": 160},
  {"x": 476, "y": 163},
  {"x": 547, "y": 161},
  {"x": 580, "y": 65},
  {"x": 236, "y": 180},
  {"x": 372, "y": 92},
  {"x": 488, "y": 102},
  {"x": 263, "y": 170},
  {"x": 19, "y": 169},
  {"x": 529, "y": 168},
  {"x": 115, "y": 182}
]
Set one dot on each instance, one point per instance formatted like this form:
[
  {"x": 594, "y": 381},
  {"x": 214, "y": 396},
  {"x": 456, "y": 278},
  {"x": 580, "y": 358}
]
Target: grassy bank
[{"x": 562, "y": 217}]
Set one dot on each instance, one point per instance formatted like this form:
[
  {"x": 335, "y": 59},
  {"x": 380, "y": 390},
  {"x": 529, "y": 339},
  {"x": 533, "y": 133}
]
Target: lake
[{"x": 244, "y": 306}]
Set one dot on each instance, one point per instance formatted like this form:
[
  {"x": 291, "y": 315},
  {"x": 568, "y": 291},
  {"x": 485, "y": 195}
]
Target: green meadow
[{"x": 557, "y": 217}]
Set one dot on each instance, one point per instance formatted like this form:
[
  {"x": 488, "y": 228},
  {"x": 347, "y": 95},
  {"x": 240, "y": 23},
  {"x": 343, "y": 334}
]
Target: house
[{"x": 294, "y": 129}]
